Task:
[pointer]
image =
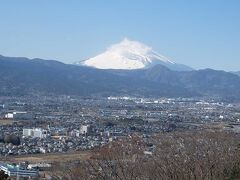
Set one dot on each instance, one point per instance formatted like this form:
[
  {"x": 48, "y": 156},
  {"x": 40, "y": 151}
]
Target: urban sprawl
[{"x": 42, "y": 125}]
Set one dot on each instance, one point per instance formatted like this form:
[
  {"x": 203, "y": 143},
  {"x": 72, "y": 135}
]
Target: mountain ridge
[
  {"x": 21, "y": 76},
  {"x": 237, "y": 73}
]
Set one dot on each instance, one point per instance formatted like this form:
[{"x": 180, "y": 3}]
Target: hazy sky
[{"x": 200, "y": 34}]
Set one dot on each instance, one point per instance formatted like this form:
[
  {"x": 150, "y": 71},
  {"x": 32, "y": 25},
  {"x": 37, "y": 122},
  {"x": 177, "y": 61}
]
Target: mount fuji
[{"x": 130, "y": 55}]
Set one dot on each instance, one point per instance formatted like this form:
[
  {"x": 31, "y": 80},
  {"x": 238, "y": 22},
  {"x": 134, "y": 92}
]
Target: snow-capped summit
[{"x": 128, "y": 55}]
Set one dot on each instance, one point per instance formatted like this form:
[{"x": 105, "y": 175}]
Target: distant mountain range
[
  {"x": 238, "y": 73},
  {"x": 22, "y": 76}
]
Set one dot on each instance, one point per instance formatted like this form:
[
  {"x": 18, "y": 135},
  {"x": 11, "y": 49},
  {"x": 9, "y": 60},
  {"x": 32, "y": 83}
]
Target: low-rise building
[
  {"x": 18, "y": 115},
  {"x": 18, "y": 171},
  {"x": 35, "y": 133}
]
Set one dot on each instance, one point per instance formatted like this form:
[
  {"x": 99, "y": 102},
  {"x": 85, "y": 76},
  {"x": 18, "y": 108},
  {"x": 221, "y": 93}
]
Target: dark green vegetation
[
  {"x": 21, "y": 76},
  {"x": 13, "y": 139},
  {"x": 3, "y": 176}
]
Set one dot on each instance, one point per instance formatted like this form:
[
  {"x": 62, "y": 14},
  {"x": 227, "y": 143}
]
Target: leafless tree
[{"x": 196, "y": 155}]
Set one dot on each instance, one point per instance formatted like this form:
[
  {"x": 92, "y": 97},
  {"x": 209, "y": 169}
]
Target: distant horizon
[{"x": 200, "y": 34}]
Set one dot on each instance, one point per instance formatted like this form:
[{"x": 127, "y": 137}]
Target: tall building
[{"x": 85, "y": 129}]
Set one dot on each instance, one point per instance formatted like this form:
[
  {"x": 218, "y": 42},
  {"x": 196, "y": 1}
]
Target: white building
[
  {"x": 35, "y": 133},
  {"x": 18, "y": 115},
  {"x": 75, "y": 133},
  {"x": 85, "y": 129}
]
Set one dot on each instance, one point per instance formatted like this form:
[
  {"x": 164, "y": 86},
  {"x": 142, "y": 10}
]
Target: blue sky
[{"x": 201, "y": 34}]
